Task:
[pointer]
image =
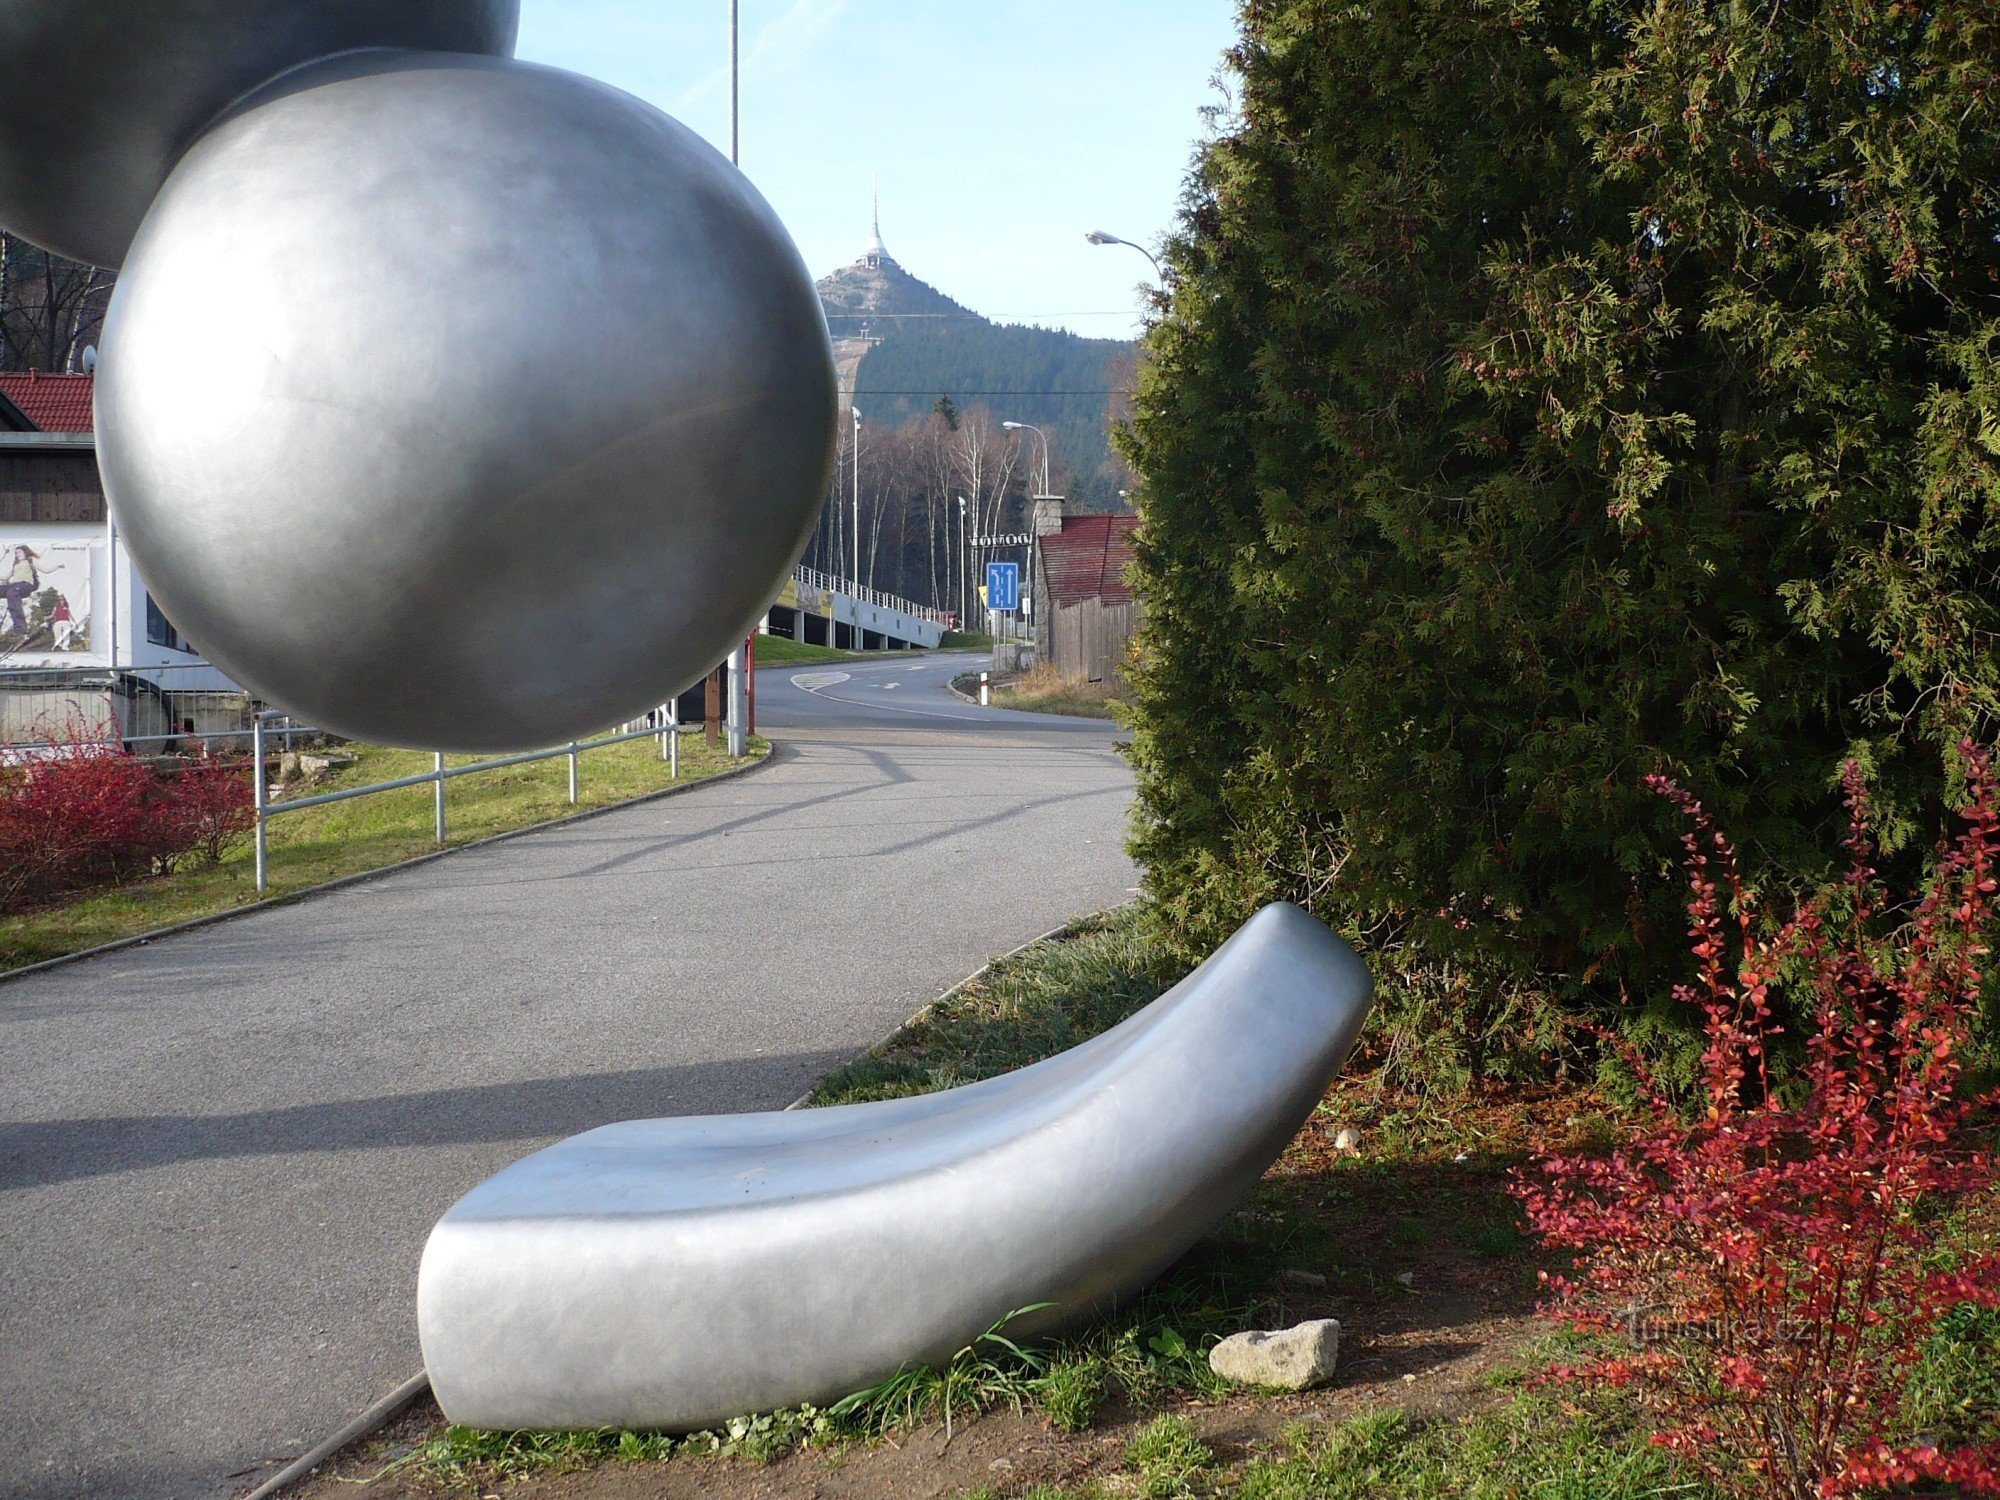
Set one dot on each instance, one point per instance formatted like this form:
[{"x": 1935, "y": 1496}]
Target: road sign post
[{"x": 1003, "y": 587}]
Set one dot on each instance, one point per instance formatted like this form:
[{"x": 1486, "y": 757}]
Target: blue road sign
[{"x": 1003, "y": 586}]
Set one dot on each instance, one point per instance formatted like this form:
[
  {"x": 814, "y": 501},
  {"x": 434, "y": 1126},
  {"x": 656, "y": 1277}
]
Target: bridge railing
[{"x": 847, "y": 587}]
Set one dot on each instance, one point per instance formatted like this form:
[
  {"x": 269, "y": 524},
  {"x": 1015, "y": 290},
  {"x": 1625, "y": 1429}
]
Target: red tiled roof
[
  {"x": 1088, "y": 557},
  {"x": 54, "y": 403}
]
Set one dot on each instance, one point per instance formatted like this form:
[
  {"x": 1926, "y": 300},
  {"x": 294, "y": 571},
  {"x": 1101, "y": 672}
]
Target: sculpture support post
[
  {"x": 260, "y": 796},
  {"x": 739, "y": 702}
]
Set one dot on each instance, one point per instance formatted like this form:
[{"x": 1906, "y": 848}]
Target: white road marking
[
  {"x": 820, "y": 691},
  {"x": 812, "y": 682}
]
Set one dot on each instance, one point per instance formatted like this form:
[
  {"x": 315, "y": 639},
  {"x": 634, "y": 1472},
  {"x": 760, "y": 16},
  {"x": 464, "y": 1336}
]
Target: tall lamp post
[
  {"x": 962, "y": 594},
  {"x": 857, "y": 497},
  {"x": 739, "y": 659},
  {"x": 1099, "y": 237},
  {"x": 1033, "y": 624},
  {"x": 1031, "y": 427}
]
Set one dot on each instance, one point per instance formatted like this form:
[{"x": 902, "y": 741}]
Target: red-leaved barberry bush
[
  {"x": 1768, "y": 1263},
  {"x": 203, "y": 809},
  {"x": 88, "y": 814}
]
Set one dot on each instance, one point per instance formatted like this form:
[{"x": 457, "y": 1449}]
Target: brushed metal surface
[
  {"x": 99, "y": 98},
  {"x": 461, "y": 403},
  {"x": 672, "y": 1274}
]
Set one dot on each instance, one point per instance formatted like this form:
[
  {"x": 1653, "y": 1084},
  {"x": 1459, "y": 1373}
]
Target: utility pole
[
  {"x": 739, "y": 665},
  {"x": 857, "y": 501},
  {"x": 1034, "y": 625}
]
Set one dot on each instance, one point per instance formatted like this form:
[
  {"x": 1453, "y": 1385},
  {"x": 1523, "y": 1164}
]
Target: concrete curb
[
  {"x": 141, "y": 939},
  {"x": 370, "y": 1422}
]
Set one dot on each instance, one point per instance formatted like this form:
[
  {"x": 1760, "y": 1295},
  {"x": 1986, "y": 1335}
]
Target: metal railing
[
  {"x": 48, "y": 707},
  {"x": 667, "y": 728},
  {"x": 110, "y": 706},
  {"x": 828, "y": 583}
]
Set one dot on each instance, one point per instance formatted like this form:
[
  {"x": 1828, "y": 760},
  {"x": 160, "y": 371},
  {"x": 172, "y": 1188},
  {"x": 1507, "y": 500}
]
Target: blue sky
[{"x": 1002, "y": 130}]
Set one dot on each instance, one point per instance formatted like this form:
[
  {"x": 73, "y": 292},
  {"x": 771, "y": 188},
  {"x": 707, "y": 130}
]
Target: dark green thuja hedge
[{"x": 1550, "y": 394}]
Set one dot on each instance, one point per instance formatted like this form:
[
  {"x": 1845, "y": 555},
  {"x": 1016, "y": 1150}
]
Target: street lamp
[
  {"x": 963, "y": 596},
  {"x": 1099, "y": 237},
  {"x": 1030, "y": 427},
  {"x": 738, "y": 670}
]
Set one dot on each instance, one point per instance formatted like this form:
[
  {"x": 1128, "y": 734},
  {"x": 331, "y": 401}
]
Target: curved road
[{"x": 220, "y": 1153}]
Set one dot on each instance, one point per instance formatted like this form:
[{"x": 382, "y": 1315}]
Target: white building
[{"x": 83, "y": 647}]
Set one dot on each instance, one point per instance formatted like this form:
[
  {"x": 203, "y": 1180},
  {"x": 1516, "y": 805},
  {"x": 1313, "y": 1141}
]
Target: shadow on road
[{"x": 38, "y": 1153}]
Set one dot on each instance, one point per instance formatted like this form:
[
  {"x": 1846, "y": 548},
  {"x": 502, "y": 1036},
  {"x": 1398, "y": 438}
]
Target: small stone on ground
[{"x": 1294, "y": 1359}]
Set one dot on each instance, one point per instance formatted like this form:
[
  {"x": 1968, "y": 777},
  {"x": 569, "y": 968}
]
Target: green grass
[
  {"x": 467, "y": 1454},
  {"x": 779, "y": 651},
  {"x": 1169, "y": 1458},
  {"x": 991, "y": 1371},
  {"x": 1532, "y": 1447},
  {"x": 1023, "y": 1009},
  {"x": 1043, "y": 690},
  {"x": 967, "y": 640},
  {"x": 1954, "y": 1393},
  {"x": 348, "y": 838}
]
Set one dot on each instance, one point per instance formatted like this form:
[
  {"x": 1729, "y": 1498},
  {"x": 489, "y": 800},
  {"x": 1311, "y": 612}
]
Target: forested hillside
[
  {"x": 935, "y": 383},
  {"x": 1065, "y": 385}
]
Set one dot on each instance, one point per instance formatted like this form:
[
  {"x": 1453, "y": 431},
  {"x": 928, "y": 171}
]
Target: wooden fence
[{"x": 1090, "y": 639}]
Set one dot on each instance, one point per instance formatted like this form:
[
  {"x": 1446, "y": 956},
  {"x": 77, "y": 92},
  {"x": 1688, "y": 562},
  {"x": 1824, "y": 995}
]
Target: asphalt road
[{"x": 220, "y": 1153}]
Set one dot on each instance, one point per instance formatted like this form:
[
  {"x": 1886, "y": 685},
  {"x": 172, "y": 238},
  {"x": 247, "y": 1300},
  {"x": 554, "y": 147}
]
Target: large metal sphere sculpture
[
  {"x": 99, "y": 98},
  {"x": 455, "y": 402}
]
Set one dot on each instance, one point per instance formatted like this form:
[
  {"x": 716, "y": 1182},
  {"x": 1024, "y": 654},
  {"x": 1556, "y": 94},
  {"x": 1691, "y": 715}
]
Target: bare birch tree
[{"x": 51, "y": 309}]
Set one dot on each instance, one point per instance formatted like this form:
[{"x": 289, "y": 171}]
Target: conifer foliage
[{"x": 1556, "y": 393}]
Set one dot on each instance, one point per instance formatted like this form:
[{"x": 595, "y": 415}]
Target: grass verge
[
  {"x": 1529, "y": 1445},
  {"x": 781, "y": 651},
  {"x": 1044, "y": 690},
  {"x": 319, "y": 844}
]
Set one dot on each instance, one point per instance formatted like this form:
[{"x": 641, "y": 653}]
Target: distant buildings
[
  {"x": 82, "y": 644},
  {"x": 1086, "y": 613},
  {"x": 47, "y": 403}
]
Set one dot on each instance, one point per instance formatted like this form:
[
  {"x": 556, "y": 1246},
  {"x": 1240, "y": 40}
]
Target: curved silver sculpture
[
  {"x": 100, "y": 98},
  {"x": 672, "y": 1274},
  {"x": 444, "y": 400}
]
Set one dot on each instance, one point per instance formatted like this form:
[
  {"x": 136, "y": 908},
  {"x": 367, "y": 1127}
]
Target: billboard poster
[{"x": 46, "y": 588}]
